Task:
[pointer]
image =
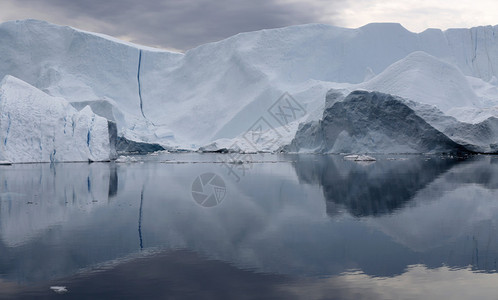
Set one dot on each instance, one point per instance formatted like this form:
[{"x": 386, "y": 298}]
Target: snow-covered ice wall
[
  {"x": 220, "y": 89},
  {"x": 36, "y": 127}
]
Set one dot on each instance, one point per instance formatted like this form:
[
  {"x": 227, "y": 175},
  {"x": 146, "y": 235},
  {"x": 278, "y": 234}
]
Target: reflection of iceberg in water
[
  {"x": 372, "y": 190},
  {"x": 442, "y": 211},
  {"x": 269, "y": 223},
  {"x": 238, "y": 231},
  {"x": 456, "y": 214},
  {"x": 37, "y": 197}
]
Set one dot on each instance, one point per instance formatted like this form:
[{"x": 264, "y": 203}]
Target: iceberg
[
  {"x": 371, "y": 122},
  {"x": 480, "y": 137},
  {"x": 59, "y": 289},
  {"x": 218, "y": 90},
  {"x": 36, "y": 127}
]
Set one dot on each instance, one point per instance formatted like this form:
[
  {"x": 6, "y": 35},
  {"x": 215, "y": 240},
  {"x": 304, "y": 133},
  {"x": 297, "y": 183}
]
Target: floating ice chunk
[
  {"x": 126, "y": 159},
  {"x": 59, "y": 289},
  {"x": 359, "y": 157},
  {"x": 364, "y": 158}
]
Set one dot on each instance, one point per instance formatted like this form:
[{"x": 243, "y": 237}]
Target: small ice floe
[
  {"x": 350, "y": 157},
  {"x": 237, "y": 162},
  {"x": 157, "y": 153},
  {"x": 126, "y": 159},
  {"x": 59, "y": 289},
  {"x": 397, "y": 158},
  {"x": 5, "y": 163},
  {"x": 356, "y": 157},
  {"x": 365, "y": 158}
]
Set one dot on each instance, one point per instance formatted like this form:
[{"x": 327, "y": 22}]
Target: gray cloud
[{"x": 178, "y": 24}]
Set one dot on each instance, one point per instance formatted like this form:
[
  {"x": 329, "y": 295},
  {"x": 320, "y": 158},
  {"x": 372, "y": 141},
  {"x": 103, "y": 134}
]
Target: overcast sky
[{"x": 183, "y": 24}]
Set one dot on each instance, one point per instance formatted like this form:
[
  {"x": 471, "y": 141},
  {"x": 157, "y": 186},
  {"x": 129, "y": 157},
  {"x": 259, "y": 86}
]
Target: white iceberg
[
  {"x": 59, "y": 289},
  {"x": 359, "y": 157},
  {"x": 219, "y": 90},
  {"x": 36, "y": 127}
]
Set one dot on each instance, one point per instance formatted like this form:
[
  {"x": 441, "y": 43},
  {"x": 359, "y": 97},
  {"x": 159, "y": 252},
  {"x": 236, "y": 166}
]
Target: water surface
[{"x": 288, "y": 226}]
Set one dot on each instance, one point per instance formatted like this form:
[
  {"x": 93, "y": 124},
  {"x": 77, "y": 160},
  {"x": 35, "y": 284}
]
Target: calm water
[{"x": 304, "y": 227}]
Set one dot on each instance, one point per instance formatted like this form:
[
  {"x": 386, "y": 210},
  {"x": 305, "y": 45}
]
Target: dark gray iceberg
[
  {"x": 481, "y": 137},
  {"x": 371, "y": 122}
]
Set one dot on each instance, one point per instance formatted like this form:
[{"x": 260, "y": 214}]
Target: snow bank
[{"x": 35, "y": 127}]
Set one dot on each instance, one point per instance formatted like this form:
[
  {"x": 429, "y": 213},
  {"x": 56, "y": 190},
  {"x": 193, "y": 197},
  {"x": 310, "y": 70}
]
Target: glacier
[
  {"x": 36, "y": 127},
  {"x": 214, "y": 93}
]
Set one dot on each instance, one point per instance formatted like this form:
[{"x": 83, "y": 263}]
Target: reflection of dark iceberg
[
  {"x": 113, "y": 181},
  {"x": 453, "y": 220},
  {"x": 483, "y": 171},
  {"x": 375, "y": 189}
]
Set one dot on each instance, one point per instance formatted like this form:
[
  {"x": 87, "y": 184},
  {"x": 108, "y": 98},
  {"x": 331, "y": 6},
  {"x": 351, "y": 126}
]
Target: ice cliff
[
  {"x": 36, "y": 127},
  {"x": 217, "y": 91}
]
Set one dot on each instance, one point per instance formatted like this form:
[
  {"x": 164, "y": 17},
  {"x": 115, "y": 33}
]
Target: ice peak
[{"x": 384, "y": 27}]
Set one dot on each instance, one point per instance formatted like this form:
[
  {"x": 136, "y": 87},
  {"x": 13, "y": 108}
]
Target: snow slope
[
  {"x": 219, "y": 90},
  {"x": 426, "y": 79},
  {"x": 35, "y": 127}
]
